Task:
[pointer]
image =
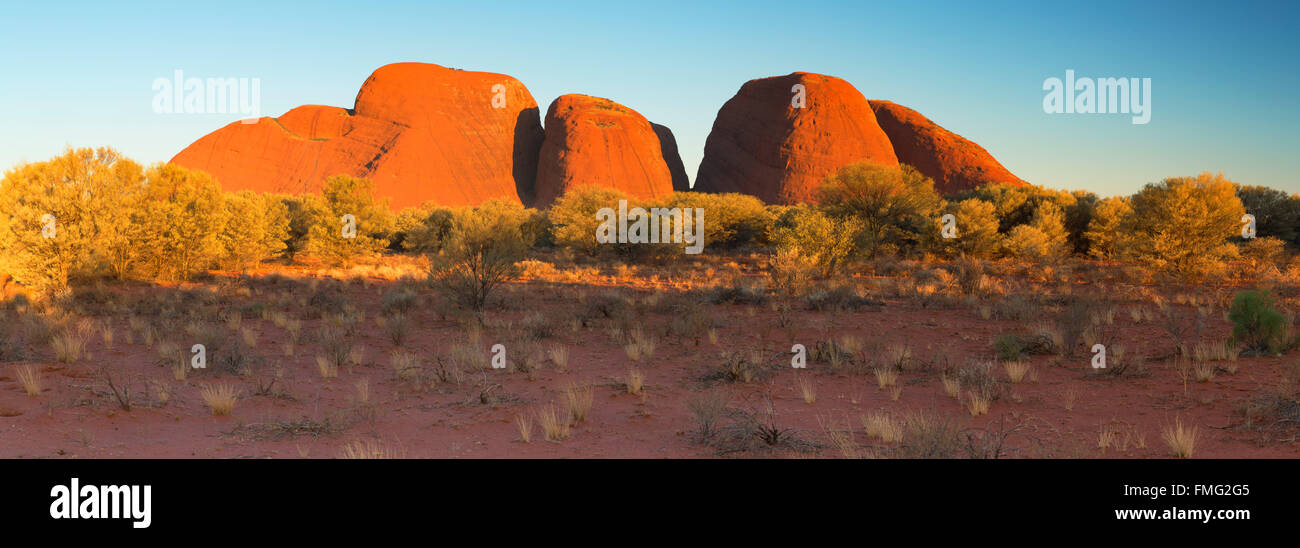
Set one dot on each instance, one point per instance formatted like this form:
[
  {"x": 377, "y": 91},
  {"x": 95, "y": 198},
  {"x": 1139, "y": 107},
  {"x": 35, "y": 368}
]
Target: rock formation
[
  {"x": 591, "y": 141},
  {"x": 421, "y": 132},
  {"x": 955, "y": 163},
  {"x": 764, "y": 144}
]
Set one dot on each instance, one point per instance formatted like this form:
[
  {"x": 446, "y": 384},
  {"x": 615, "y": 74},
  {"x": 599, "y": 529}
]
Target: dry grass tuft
[
  {"x": 1204, "y": 372},
  {"x": 951, "y": 387},
  {"x": 363, "y": 390},
  {"x": 369, "y": 449},
  {"x": 328, "y": 369},
  {"x": 560, "y": 357},
  {"x": 977, "y": 402},
  {"x": 553, "y": 426},
  {"x": 1068, "y": 397},
  {"x": 1016, "y": 371},
  {"x": 1181, "y": 439},
  {"x": 885, "y": 427},
  {"x": 579, "y": 399},
  {"x": 525, "y": 425},
  {"x": 807, "y": 389},
  {"x": 68, "y": 346},
  {"x": 635, "y": 380},
  {"x": 220, "y": 398},
  {"x": 30, "y": 378},
  {"x": 886, "y": 377}
]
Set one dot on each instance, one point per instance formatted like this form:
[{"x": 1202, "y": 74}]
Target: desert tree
[
  {"x": 1276, "y": 212},
  {"x": 67, "y": 217},
  {"x": 347, "y": 202},
  {"x": 977, "y": 229},
  {"x": 1077, "y": 218},
  {"x": 895, "y": 206},
  {"x": 480, "y": 253},
  {"x": 1182, "y": 224},
  {"x": 179, "y": 227},
  {"x": 1043, "y": 237},
  {"x": 256, "y": 228},
  {"x": 1103, "y": 232}
]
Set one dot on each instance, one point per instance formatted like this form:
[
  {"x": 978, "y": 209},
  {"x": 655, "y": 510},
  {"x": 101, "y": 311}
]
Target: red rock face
[
  {"x": 761, "y": 144},
  {"x": 592, "y": 141},
  {"x": 668, "y": 148},
  {"x": 421, "y": 132},
  {"x": 955, "y": 163}
]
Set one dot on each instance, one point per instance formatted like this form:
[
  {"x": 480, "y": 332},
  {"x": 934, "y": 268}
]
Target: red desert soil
[
  {"x": 591, "y": 141},
  {"x": 954, "y": 162},
  {"x": 421, "y": 132},
  {"x": 761, "y": 144},
  {"x": 305, "y": 415}
]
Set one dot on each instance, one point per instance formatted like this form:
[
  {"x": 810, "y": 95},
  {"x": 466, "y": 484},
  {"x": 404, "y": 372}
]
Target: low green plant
[{"x": 1257, "y": 325}]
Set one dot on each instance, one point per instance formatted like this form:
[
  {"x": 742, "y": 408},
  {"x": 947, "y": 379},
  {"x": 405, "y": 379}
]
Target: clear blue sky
[{"x": 1224, "y": 75}]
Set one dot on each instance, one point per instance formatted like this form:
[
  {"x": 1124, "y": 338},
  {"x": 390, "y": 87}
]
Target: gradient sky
[{"x": 1224, "y": 75}]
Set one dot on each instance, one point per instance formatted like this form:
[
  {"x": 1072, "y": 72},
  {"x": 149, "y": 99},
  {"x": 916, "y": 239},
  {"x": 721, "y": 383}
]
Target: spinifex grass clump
[{"x": 1257, "y": 326}]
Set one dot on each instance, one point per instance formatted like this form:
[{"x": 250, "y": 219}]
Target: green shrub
[
  {"x": 1044, "y": 236},
  {"x": 573, "y": 217},
  {"x": 480, "y": 254},
  {"x": 1008, "y": 346},
  {"x": 343, "y": 195},
  {"x": 1257, "y": 325},
  {"x": 977, "y": 229},
  {"x": 827, "y": 241},
  {"x": 426, "y": 233},
  {"x": 1028, "y": 242},
  {"x": 256, "y": 228},
  {"x": 1276, "y": 213},
  {"x": 1103, "y": 234},
  {"x": 731, "y": 220},
  {"x": 179, "y": 227},
  {"x": 896, "y": 207},
  {"x": 1018, "y": 204}
]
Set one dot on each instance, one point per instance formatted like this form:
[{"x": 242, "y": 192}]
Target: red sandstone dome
[
  {"x": 954, "y": 162},
  {"x": 761, "y": 144},
  {"x": 591, "y": 141},
  {"x": 421, "y": 132}
]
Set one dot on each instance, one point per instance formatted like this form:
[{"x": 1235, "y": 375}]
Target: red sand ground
[{"x": 69, "y": 420}]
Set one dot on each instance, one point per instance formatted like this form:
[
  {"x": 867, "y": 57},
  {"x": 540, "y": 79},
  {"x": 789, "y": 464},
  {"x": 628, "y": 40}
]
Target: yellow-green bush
[
  {"x": 342, "y": 195},
  {"x": 896, "y": 206},
  {"x": 573, "y": 217},
  {"x": 89, "y": 195},
  {"x": 256, "y": 229},
  {"x": 730, "y": 219},
  {"x": 1103, "y": 230},
  {"x": 977, "y": 229},
  {"x": 1182, "y": 224},
  {"x": 827, "y": 241},
  {"x": 423, "y": 230},
  {"x": 180, "y": 223},
  {"x": 481, "y": 252}
]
